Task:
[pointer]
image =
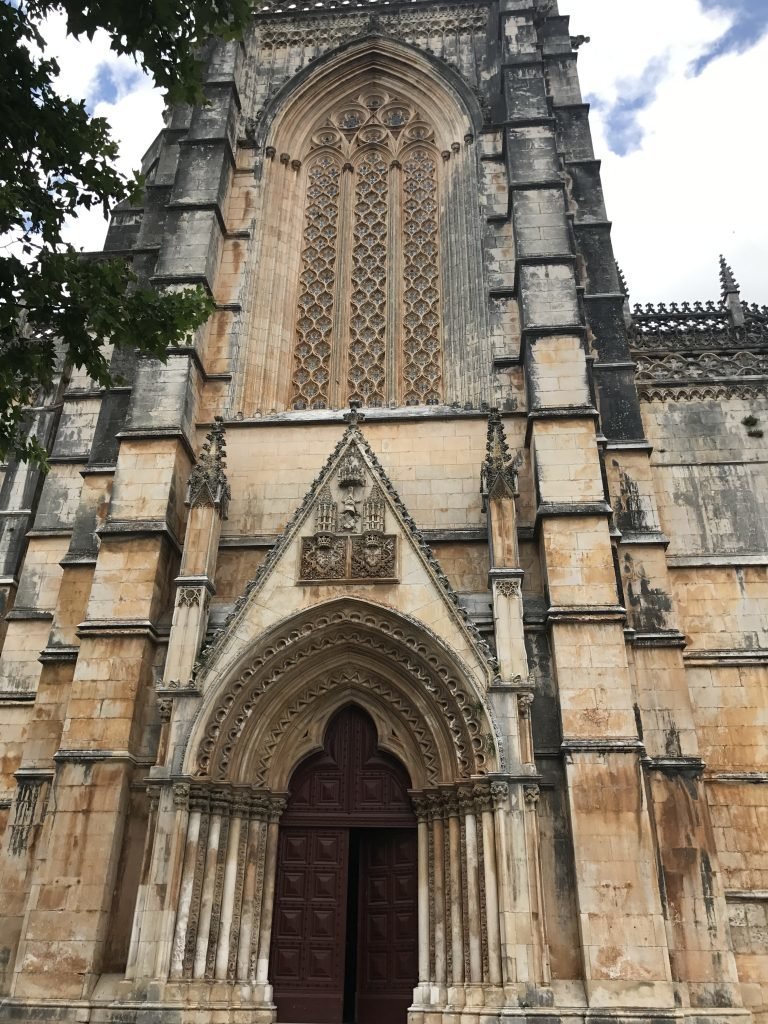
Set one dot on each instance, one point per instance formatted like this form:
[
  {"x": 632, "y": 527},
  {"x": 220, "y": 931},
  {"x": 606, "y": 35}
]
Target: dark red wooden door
[
  {"x": 350, "y": 785},
  {"x": 387, "y": 955},
  {"x": 309, "y": 924}
]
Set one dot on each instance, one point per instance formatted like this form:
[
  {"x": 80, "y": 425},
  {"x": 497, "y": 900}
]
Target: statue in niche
[{"x": 350, "y": 517}]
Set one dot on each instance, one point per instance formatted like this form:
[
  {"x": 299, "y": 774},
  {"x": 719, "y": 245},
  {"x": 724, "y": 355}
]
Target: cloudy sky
[{"x": 678, "y": 91}]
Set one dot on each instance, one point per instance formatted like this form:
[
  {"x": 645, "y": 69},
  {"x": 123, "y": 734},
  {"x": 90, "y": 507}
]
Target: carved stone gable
[
  {"x": 349, "y": 542},
  {"x": 351, "y": 530}
]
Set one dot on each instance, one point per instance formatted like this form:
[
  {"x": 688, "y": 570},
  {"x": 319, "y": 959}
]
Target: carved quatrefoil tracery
[{"x": 372, "y": 182}]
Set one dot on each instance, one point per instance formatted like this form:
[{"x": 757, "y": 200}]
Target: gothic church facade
[{"x": 395, "y": 651}]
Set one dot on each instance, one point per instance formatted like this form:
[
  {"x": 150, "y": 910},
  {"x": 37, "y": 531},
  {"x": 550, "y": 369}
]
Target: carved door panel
[
  {"x": 344, "y": 942},
  {"x": 387, "y": 956},
  {"x": 309, "y": 924}
]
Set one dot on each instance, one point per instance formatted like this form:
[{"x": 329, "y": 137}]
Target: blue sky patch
[
  {"x": 110, "y": 83},
  {"x": 749, "y": 25},
  {"x": 623, "y": 131},
  {"x": 103, "y": 87}
]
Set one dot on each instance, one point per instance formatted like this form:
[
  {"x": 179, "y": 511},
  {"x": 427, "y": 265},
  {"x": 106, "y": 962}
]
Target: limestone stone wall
[
  {"x": 710, "y": 470},
  {"x": 569, "y": 646}
]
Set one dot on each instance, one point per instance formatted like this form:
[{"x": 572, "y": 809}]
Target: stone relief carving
[
  {"x": 375, "y": 685},
  {"x": 373, "y": 557},
  {"x": 323, "y": 558},
  {"x": 524, "y": 704},
  {"x": 531, "y": 795},
  {"x": 338, "y": 549},
  {"x": 366, "y": 376},
  {"x": 509, "y": 588},
  {"x": 352, "y": 434},
  {"x": 421, "y": 319},
  {"x": 29, "y": 812},
  {"x": 318, "y": 275},
  {"x": 370, "y": 632}
]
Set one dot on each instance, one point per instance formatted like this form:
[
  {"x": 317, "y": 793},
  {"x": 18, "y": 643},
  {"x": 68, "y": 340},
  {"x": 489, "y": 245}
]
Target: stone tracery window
[{"x": 368, "y": 323}]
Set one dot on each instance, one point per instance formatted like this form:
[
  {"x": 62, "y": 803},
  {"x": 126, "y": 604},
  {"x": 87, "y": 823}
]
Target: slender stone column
[
  {"x": 533, "y": 842},
  {"x": 143, "y": 893},
  {"x": 277, "y": 806},
  {"x": 456, "y": 994},
  {"x": 508, "y": 931},
  {"x": 254, "y": 868},
  {"x": 485, "y": 805},
  {"x": 438, "y": 877},
  {"x": 209, "y": 887},
  {"x": 423, "y": 897},
  {"x": 228, "y": 895},
  {"x": 185, "y": 894},
  {"x": 467, "y": 805}
]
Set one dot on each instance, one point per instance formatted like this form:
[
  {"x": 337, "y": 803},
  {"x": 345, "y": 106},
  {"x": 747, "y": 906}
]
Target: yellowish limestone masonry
[{"x": 426, "y": 461}]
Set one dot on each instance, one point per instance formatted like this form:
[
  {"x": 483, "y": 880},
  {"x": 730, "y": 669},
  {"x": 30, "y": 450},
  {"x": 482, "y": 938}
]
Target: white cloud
[
  {"x": 692, "y": 190},
  {"x": 134, "y": 112}
]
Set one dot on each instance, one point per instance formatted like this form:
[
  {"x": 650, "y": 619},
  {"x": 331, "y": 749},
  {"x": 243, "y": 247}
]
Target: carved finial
[
  {"x": 354, "y": 416},
  {"x": 326, "y": 512},
  {"x": 374, "y": 511},
  {"x": 728, "y": 283},
  {"x": 729, "y": 292},
  {"x": 499, "y": 472},
  {"x": 624, "y": 289},
  {"x": 207, "y": 485}
]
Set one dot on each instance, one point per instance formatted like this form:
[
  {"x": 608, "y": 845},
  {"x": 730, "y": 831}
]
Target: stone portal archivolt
[{"x": 428, "y": 711}]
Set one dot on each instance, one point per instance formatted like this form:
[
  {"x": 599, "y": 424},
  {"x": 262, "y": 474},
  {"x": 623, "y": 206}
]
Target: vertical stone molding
[{"x": 223, "y": 902}]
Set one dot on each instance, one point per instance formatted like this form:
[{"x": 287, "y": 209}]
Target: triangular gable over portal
[{"x": 352, "y": 536}]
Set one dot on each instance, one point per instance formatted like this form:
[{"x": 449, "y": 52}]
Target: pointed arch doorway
[{"x": 344, "y": 937}]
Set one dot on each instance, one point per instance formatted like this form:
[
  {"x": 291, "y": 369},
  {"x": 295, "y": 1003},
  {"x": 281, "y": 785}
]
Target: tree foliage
[{"x": 56, "y": 161}]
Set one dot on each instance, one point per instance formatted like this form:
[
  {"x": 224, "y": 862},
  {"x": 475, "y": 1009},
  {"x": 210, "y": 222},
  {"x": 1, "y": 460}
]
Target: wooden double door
[{"x": 344, "y": 936}]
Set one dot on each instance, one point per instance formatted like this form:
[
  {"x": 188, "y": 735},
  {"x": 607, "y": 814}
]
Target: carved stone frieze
[
  {"x": 339, "y": 26},
  {"x": 695, "y": 351},
  {"x": 287, "y": 654},
  {"x": 702, "y": 366},
  {"x": 701, "y": 392},
  {"x": 509, "y": 588},
  {"x": 362, "y": 682}
]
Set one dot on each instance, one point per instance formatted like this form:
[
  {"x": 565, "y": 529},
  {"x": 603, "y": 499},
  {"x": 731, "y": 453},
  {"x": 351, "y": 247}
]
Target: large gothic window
[{"x": 368, "y": 321}]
